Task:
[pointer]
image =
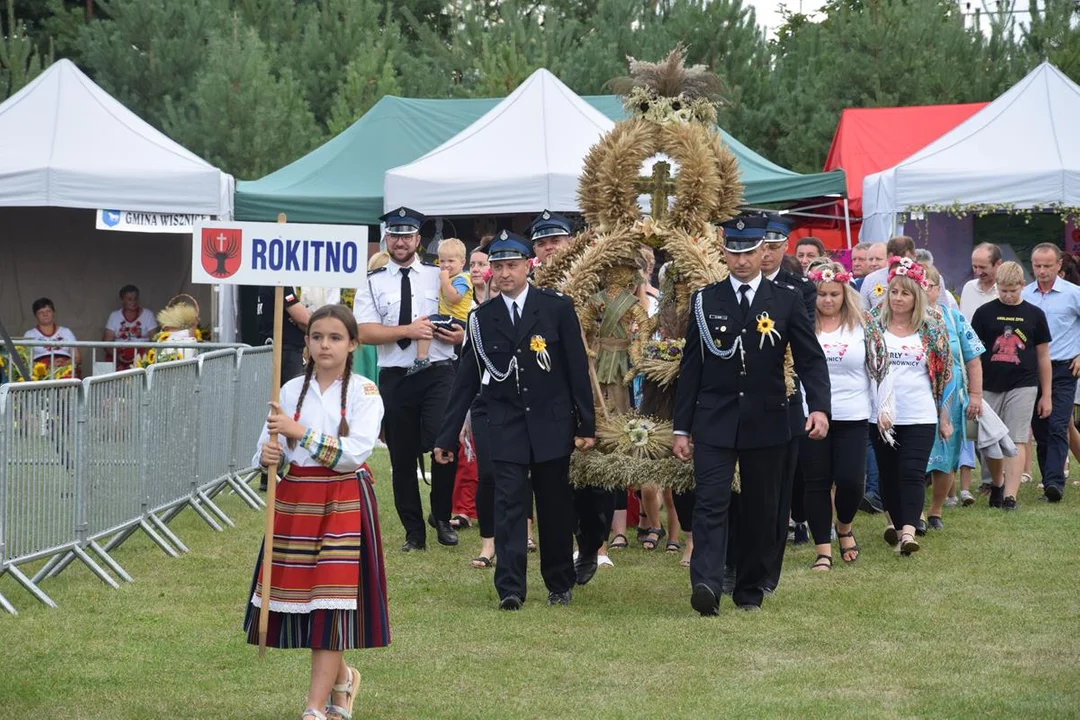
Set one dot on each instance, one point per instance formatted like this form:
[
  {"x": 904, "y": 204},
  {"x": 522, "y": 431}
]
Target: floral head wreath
[
  {"x": 908, "y": 268},
  {"x": 826, "y": 275}
]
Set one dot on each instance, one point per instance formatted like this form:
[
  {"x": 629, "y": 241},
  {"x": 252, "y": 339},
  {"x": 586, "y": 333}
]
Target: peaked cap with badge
[
  {"x": 548, "y": 224},
  {"x": 777, "y": 229},
  {"x": 744, "y": 233},
  {"x": 403, "y": 221},
  {"x": 509, "y": 246}
]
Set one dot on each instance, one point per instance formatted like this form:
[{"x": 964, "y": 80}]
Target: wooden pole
[{"x": 271, "y": 484}]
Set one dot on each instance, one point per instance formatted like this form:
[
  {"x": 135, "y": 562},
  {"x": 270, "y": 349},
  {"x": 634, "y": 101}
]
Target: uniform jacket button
[{"x": 741, "y": 393}]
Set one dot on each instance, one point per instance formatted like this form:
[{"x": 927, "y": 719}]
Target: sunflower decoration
[
  {"x": 766, "y": 327},
  {"x": 878, "y": 290},
  {"x": 539, "y": 346},
  {"x": 39, "y": 372}
]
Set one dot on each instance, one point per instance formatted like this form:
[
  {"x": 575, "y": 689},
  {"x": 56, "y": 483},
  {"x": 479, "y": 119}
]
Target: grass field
[{"x": 984, "y": 622}]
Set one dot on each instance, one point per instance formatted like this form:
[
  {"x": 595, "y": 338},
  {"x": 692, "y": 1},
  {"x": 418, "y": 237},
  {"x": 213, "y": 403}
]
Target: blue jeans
[{"x": 871, "y": 471}]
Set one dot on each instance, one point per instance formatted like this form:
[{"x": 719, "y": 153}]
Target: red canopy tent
[{"x": 869, "y": 140}]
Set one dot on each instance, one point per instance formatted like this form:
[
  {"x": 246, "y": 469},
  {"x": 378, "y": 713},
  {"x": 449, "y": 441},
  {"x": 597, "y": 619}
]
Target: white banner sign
[
  {"x": 132, "y": 221},
  {"x": 254, "y": 253}
]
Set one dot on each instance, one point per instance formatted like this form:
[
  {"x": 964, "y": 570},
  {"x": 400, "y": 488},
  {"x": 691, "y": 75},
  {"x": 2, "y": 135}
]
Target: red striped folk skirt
[{"x": 328, "y": 581}]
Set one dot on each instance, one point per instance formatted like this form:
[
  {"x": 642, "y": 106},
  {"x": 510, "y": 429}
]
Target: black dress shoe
[
  {"x": 920, "y": 527},
  {"x": 511, "y": 602},
  {"x": 585, "y": 567},
  {"x": 935, "y": 522},
  {"x": 412, "y": 546},
  {"x": 1052, "y": 493},
  {"x": 444, "y": 531},
  {"x": 559, "y": 598},
  {"x": 703, "y": 599},
  {"x": 802, "y": 535},
  {"x": 727, "y": 586}
]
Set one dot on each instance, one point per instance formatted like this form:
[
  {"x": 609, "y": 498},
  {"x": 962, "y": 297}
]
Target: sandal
[
  {"x": 460, "y": 522},
  {"x": 822, "y": 564},
  {"x": 891, "y": 536},
  {"x": 617, "y": 544},
  {"x": 482, "y": 562},
  {"x": 845, "y": 550},
  {"x": 684, "y": 563},
  {"x": 530, "y": 545},
  {"x": 652, "y": 543},
  {"x": 673, "y": 546},
  {"x": 908, "y": 544},
  {"x": 338, "y": 712},
  {"x": 312, "y": 713}
]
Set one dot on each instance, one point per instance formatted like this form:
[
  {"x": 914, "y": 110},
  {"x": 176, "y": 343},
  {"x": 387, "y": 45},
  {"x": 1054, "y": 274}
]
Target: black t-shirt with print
[{"x": 1010, "y": 334}]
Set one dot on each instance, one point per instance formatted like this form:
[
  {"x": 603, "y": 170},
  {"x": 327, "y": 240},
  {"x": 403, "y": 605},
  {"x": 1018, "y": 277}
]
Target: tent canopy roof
[
  {"x": 868, "y": 140},
  {"x": 65, "y": 142},
  {"x": 1021, "y": 150},
  {"x": 524, "y": 154},
  {"x": 342, "y": 181}
]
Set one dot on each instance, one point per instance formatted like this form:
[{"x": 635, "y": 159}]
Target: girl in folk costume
[{"x": 328, "y": 583}]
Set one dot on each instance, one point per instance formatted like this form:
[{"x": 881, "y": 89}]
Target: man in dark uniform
[
  {"x": 774, "y": 247},
  {"x": 392, "y": 312},
  {"x": 294, "y": 322},
  {"x": 732, "y": 401},
  {"x": 594, "y": 507},
  {"x": 526, "y": 357}
]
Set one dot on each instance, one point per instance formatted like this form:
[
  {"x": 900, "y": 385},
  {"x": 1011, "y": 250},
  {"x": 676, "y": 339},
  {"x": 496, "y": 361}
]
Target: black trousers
[
  {"x": 414, "y": 407},
  {"x": 902, "y": 470},
  {"x": 594, "y": 508},
  {"x": 760, "y": 472},
  {"x": 515, "y": 486},
  {"x": 789, "y": 460},
  {"x": 839, "y": 459},
  {"x": 1052, "y": 433},
  {"x": 485, "y": 472},
  {"x": 684, "y": 509}
]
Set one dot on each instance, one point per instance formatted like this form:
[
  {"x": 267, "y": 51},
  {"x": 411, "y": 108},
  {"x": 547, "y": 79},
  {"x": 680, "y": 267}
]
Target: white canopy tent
[
  {"x": 65, "y": 143},
  {"x": 1021, "y": 150},
  {"x": 523, "y": 155}
]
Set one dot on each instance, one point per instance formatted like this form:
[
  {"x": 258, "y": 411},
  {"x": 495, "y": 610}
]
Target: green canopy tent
[{"x": 342, "y": 180}]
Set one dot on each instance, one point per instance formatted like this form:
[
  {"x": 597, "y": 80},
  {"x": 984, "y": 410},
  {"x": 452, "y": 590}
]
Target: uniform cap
[
  {"x": 777, "y": 229},
  {"x": 508, "y": 246},
  {"x": 744, "y": 233},
  {"x": 548, "y": 224},
  {"x": 402, "y": 221}
]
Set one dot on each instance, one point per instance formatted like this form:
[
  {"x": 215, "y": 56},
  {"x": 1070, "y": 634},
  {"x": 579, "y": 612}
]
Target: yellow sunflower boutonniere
[
  {"x": 878, "y": 290},
  {"x": 766, "y": 327},
  {"x": 539, "y": 346}
]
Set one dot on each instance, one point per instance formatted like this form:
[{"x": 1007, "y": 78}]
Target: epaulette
[
  {"x": 429, "y": 263},
  {"x": 376, "y": 270},
  {"x": 549, "y": 291}
]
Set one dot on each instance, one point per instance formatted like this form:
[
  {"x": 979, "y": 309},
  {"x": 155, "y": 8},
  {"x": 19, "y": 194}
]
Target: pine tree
[{"x": 20, "y": 61}]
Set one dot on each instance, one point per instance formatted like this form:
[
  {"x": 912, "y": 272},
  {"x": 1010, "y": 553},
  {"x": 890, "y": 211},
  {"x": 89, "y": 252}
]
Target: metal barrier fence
[{"x": 84, "y": 465}]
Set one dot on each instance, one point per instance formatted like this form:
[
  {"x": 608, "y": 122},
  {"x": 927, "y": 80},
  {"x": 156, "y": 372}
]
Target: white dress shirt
[
  {"x": 754, "y": 284},
  {"x": 519, "y": 301},
  {"x": 380, "y": 303}
]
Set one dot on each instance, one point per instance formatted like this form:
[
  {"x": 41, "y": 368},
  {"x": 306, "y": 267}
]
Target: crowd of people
[{"x": 484, "y": 384}]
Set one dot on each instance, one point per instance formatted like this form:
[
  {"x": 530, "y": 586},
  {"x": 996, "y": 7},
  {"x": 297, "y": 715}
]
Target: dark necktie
[
  {"x": 517, "y": 316},
  {"x": 744, "y": 302},
  {"x": 405, "y": 315}
]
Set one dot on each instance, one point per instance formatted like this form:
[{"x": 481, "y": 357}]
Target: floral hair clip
[
  {"x": 906, "y": 267},
  {"x": 827, "y": 276}
]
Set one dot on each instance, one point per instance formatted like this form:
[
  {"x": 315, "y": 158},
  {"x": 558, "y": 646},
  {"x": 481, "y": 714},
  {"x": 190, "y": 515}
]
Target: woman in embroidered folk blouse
[
  {"x": 964, "y": 397},
  {"x": 328, "y": 584},
  {"x": 855, "y": 358},
  {"x": 910, "y": 407}
]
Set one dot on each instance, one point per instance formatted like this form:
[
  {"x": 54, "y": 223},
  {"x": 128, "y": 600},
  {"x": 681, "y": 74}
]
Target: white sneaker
[
  {"x": 952, "y": 502},
  {"x": 602, "y": 560},
  {"x": 967, "y": 498}
]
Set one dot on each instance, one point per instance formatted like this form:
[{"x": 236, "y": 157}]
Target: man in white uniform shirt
[
  {"x": 985, "y": 260},
  {"x": 391, "y": 312}
]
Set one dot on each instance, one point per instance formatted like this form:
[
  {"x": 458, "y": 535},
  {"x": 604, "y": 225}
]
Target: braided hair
[{"x": 342, "y": 313}]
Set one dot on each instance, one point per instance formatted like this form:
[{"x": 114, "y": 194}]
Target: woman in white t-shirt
[
  {"x": 909, "y": 409},
  {"x": 54, "y": 356},
  {"x": 840, "y": 459},
  {"x": 130, "y": 322}
]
